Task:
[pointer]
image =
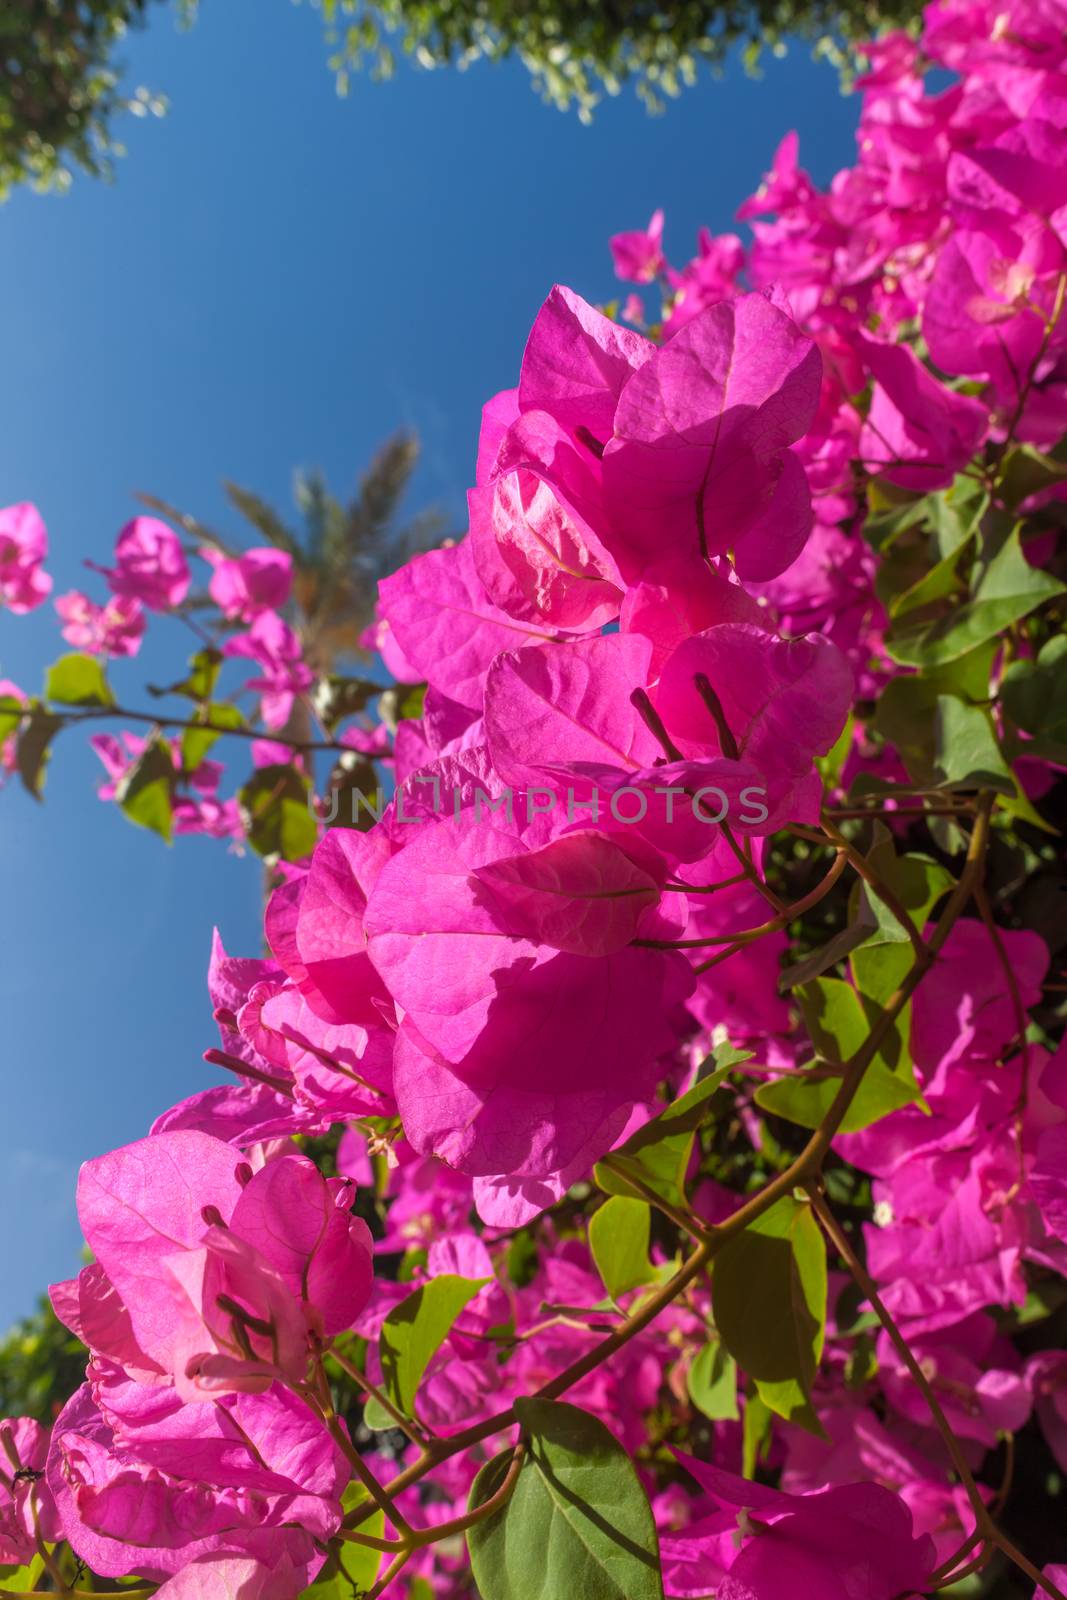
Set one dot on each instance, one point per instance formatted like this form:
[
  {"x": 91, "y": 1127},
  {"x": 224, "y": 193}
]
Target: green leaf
[
  {"x": 204, "y": 668},
  {"x": 196, "y": 742},
  {"x": 658, "y": 1153},
  {"x": 1004, "y": 590},
  {"x": 881, "y": 963},
  {"x": 618, "y": 1241},
  {"x": 918, "y": 884},
  {"x": 712, "y": 1382},
  {"x": 353, "y": 795},
  {"x": 830, "y": 765},
  {"x": 77, "y": 680},
  {"x": 336, "y": 697},
  {"x": 862, "y": 1363},
  {"x": 839, "y": 1020},
  {"x": 275, "y": 810},
  {"x": 921, "y": 570},
  {"x": 891, "y": 512},
  {"x": 33, "y": 748},
  {"x": 577, "y": 1523},
  {"x": 1034, "y": 695},
  {"x": 1027, "y": 470},
  {"x": 415, "y": 1329},
  {"x": 145, "y": 792},
  {"x": 967, "y": 755},
  {"x": 756, "y": 1428},
  {"x": 23, "y": 1579},
  {"x": 376, "y": 1418},
  {"x": 828, "y": 955},
  {"x": 905, "y": 710},
  {"x": 769, "y": 1298},
  {"x": 12, "y": 711},
  {"x": 806, "y": 1098},
  {"x": 404, "y": 701},
  {"x": 360, "y": 1566},
  {"x": 835, "y": 1018},
  {"x": 839, "y": 1016}
]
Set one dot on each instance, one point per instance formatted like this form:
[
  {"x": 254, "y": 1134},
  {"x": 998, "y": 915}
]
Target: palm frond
[{"x": 263, "y": 518}]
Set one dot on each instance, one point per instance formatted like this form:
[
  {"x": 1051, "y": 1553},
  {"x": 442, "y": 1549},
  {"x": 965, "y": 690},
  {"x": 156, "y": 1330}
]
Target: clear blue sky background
[{"x": 277, "y": 278}]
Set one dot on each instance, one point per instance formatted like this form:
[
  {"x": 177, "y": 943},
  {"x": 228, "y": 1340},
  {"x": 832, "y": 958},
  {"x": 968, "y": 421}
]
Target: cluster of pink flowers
[
  {"x": 637, "y": 664},
  {"x": 241, "y": 616}
]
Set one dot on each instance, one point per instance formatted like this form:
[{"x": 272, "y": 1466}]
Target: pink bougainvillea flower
[
  {"x": 1048, "y": 1180},
  {"x": 711, "y": 276},
  {"x": 785, "y": 187},
  {"x": 448, "y": 629},
  {"x": 277, "y": 1573},
  {"x": 343, "y": 1069},
  {"x": 90, "y": 1306},
  {"x": 570, "y": 707},
  {"x": 851, "y": 1539},
  {"x": 975, "y": 1373},
  {"x": 1019, "y": 172},
  {"x": 566, "y": 716},
  {"x": 1046, "y": 1374},
  {"x": 781, "y": 702},
  {"x": 977, "y": 319},
  {"x": 219, "y": 1271},
  {"x": 236, "y": 1324},
  {"x": 27, "y": 1509},
  {"x": 889, "y": 58},
  {"x": 638, "y": 255},
  {"x": 150, "y": 565},
  {"x": 327, "y": 956},
  {"x": 155, "y": 1485},
  {"x": 243, "y": 1114},
  {"x": 301, "y": 1224},
  {"x": 23, "y": 547},
  {"x": 585, "y": 892},
  {"x": 496, "y": 1067},
  {"x": 576, "y": 363},
  {"x": 918, "y": 433},
  {"x": 538, "y": 562},
  {"x": 380, "y": 636},
  {"x": 230, "y": 981},
  {"x": 670, "y": 604},
  {"x": 537, "y": 515},
  {"x": 699, "y": 460},
  {"x": 633, "y": 310},
  {"x": 142, "y": 1203},
  {"x": 277, "y": 648},
  {"x": 113, "y": 629},
  {"x": 197, "y": 810},
  {"x": 739, "y": 995},
  {"x": 243, "y": 586},
  {"x": 431, "y": 1201},
  {"x": 961, "y": 1011}
]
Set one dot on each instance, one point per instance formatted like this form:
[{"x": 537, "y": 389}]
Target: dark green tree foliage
[
  {"x": 41, "y": 1364},
  {"x": 59, "y": 88},
  {"x": 579, "y": 50}
]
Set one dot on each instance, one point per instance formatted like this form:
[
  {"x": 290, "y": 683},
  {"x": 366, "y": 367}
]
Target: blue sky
[{"x": 277, "y": 278}]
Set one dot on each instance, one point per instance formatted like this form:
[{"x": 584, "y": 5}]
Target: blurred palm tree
[{"x": 343, "y": 548}]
